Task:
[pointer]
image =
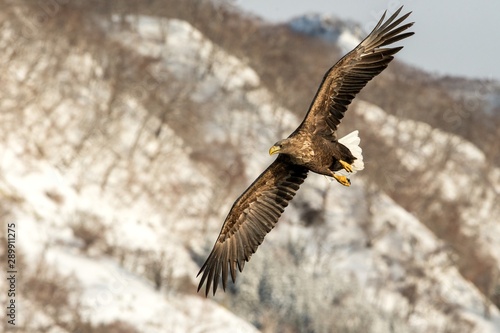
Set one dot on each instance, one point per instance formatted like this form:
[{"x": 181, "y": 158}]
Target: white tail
[{"x": 351, "y": 141}]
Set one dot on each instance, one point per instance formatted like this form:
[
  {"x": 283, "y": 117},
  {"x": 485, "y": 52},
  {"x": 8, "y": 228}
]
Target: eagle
[{"x": 313, "y": 146}]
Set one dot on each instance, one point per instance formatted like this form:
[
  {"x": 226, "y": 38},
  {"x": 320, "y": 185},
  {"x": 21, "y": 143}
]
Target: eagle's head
[{"x": 284, "y": 146}]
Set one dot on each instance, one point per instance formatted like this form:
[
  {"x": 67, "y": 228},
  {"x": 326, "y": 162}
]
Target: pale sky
[{"x": 457, "y": 37}]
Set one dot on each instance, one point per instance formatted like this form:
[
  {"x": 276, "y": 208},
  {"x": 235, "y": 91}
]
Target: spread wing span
[
  {"x": 258, "y": 209},
  {"x": 252, "y": 216},
  {"x": 351, "y": 73}
]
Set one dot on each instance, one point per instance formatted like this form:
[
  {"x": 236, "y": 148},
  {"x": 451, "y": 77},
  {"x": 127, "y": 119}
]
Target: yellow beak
[{"x": 274, "y": 150}]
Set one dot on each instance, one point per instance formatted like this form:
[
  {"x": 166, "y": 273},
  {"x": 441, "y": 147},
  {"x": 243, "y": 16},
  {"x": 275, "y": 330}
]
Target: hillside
[{"x": 128, "y": 131}]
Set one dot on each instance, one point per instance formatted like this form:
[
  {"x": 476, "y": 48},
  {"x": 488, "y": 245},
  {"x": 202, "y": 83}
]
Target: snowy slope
[
  {"x": 368, "y": 254},
  {"x": 100, "y": 184},
  {"x": 459, "y": 178}
]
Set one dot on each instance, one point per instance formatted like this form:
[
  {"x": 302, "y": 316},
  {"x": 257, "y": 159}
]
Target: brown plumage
[{"x": 312, "y": 146}]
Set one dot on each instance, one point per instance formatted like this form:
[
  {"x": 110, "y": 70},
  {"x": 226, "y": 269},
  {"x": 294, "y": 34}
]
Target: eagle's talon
[
  {"x": 342, "y": 180},
  {"x": 346, "y": 166}
]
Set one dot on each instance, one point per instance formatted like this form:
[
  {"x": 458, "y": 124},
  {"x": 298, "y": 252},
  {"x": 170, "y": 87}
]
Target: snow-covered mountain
[
  {"x": 346, "y": 34},
  {"x": 118, "y": 190}
]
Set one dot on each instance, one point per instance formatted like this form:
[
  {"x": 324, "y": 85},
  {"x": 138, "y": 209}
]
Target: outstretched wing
[
  {"x": 351, "y": 73},
  {"x": 252, "y": 216}
]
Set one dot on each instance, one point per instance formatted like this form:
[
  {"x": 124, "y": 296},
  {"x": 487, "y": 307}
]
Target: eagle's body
[
  {"x": 317, "y": 153},
  {"x": 313, "y": 146}
]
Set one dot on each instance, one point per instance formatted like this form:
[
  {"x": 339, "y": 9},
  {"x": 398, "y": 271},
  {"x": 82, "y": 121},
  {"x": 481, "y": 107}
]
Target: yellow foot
[
  {"x": 346, "y": 166},
  {"x": 342, "y": 180}
]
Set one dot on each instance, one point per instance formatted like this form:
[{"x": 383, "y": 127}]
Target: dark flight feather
[{"x": 252, "y": 216}]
